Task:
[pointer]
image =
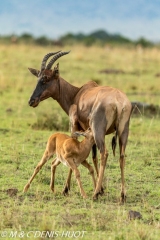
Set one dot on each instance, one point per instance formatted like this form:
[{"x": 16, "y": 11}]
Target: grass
[{"x": 23, "y": 142}]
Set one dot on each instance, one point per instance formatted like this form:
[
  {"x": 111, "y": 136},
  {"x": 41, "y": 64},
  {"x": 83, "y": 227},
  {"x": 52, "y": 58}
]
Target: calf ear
[
  {"x": 35, "y": 72},
  {"x": 77, "y": 134}
]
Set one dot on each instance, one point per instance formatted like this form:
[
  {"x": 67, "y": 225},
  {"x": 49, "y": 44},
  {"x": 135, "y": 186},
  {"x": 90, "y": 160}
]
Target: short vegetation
[{"x": 24, "y": 132}]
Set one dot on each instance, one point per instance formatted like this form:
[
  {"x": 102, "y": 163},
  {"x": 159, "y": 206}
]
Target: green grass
[{"x": 22, "y": 146}]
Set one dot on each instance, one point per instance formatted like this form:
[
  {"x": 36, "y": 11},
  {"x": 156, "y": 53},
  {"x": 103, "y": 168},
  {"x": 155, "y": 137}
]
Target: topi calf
[{"x": 71, "y": 153}]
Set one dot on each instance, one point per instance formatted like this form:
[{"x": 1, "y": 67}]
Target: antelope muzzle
[{"x": 33, "y": 102}]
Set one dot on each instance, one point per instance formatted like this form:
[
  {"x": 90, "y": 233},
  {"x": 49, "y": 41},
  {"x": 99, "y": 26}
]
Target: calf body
[{"x": 71, "y": 153}]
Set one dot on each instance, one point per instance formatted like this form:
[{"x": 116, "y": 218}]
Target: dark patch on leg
[
  {"x": 94, "y": 158},
  {"x": 65, "y": 191},
  {"x": 94, "y": 151},
  {"x": 101, "y": 191},
  {"x": 98, "y": 123},
  {"x": 95, "y": 197},
  {"x": 114, "y": 144},
  {"x": 123, "y": 198}
]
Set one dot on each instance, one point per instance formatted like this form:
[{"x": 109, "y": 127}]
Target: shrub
[
  {"x": 43, "y": 41},
  {"x": 54, "y": 121}
]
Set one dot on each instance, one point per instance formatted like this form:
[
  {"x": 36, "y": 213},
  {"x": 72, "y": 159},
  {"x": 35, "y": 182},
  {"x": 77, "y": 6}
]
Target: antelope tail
[
  {"x": 114, "y": 139},
  {"x": 114, "y": 142}
]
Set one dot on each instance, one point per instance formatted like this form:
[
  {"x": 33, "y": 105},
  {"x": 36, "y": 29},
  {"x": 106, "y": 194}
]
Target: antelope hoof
[
  {"x": 65, "y": 191},
  {"x": 95, "y": 196},
  {"x": 26, "y": 188},
  {"x": 52, "y": 189},
  {"x": 101, "y": 191},
  {"x": 84, "y": 196}
]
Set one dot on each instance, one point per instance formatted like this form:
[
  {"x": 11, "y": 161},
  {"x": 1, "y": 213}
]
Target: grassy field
[{"x": 23, "y": 137}]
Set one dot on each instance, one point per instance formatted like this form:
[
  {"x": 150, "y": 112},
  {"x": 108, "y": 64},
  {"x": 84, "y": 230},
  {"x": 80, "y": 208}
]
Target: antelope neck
[{"x": 67, "y": 93}]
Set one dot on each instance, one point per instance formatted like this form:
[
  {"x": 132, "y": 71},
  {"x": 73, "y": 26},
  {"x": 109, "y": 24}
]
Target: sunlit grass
[{"x": 21, "y": 147}]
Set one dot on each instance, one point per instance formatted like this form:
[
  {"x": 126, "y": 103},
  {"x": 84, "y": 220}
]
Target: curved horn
[
  {"x": 43, "y": 64},
  {"x": 55, "y": 58}
]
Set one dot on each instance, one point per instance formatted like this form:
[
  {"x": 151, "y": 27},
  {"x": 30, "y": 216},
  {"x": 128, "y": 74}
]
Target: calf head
[{"x": 87, "y": 134}]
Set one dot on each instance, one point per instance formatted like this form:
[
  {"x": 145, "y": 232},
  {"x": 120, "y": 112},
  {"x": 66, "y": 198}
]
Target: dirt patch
[
  {"x": 157, "y": 75},
  {"x": 112, "y": 71},
  {"x": 4, "y": 130},
  {"x": 132, "y": 215},
  {"x": 145, "y": 109},
  {"x": 120, "y": 71},
  {"x": 9, "y": 110},
  {"x": 12, "y": 192}
]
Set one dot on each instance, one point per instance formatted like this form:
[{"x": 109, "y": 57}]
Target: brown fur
[
  {"x": 105, "y": 109},
  {"x": 71, "y": 153}
]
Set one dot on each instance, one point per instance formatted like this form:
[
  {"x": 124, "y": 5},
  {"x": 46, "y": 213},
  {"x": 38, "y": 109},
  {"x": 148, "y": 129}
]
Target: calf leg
[
  {"x": 68, "y": 183},
  {"x": 55, "y": 163},
  {"x": 45, "y": 158},
  {"x": 77, "y": 175},
  {"x": 91, "y": 171}
]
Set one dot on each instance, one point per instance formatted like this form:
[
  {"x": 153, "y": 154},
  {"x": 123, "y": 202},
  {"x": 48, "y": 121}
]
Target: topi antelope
[
  {"x": 71, "y": 153},
  {"x": 105, "y": 109}
]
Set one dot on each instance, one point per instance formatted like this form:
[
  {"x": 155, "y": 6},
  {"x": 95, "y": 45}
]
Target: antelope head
[{"x": 47, "y": 79}]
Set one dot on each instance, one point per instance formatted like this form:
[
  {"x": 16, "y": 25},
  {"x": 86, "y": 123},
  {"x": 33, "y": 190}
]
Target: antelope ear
[
  {"x": 35, "y": 72},
  {"x": 56, "y": 71}
]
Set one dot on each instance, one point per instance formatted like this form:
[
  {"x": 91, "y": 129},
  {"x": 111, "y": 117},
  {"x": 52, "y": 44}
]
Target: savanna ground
[{"x": 24, "y": 132}]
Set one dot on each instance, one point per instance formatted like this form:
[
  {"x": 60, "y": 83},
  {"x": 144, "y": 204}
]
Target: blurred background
[
  {"x": 114, "y": 43},
  {"x": 89, "y": 22}
]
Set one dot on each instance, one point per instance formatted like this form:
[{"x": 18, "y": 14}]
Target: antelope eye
[{"x": 43, "y": 81}]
